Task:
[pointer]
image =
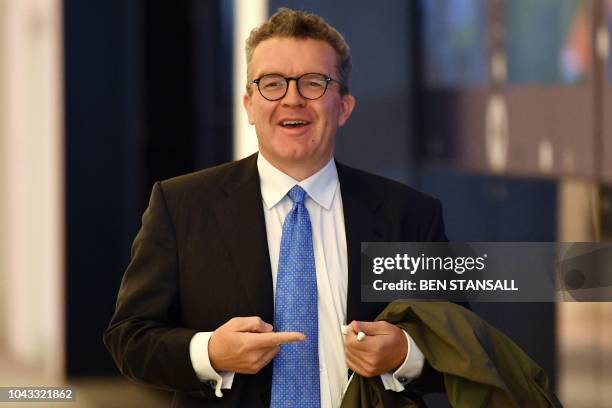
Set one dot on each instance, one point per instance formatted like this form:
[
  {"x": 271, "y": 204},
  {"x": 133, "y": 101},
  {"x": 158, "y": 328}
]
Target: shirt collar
[{"x": 275, "y": 184}]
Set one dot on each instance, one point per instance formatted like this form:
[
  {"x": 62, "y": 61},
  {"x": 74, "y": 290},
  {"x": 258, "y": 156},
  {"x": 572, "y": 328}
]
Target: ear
[
  {"x": 347, "y": 104},
  {"x": 248, "y": 107}
]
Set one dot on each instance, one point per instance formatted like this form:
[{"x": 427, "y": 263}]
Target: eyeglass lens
[{"x": 310, "y": 86}]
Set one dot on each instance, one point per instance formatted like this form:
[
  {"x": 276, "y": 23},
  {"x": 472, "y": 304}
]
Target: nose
[{"x": 293, "y": 97}]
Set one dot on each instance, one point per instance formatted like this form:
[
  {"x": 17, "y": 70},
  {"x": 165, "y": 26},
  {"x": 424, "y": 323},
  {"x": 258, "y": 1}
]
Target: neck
[{"x": 295, "y": 170}]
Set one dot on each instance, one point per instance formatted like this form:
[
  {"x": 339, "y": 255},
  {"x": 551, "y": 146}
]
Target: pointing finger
[{"x": 275, "y": 339}]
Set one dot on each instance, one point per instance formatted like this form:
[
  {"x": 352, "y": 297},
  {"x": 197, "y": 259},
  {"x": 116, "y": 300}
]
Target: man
[{"x": 243, "y": 275}]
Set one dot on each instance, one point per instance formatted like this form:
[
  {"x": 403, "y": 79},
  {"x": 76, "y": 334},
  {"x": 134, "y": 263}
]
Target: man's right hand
[{"x": 246, "y": 345}]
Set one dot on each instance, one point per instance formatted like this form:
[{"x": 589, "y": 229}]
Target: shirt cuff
[
  {"x": 409, "y": 370},
  {"x": 198, "y": 352}
]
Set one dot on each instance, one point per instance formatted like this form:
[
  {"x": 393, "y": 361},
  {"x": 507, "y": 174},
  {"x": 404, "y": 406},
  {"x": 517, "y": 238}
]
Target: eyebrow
[{"x": 291, "y": 76}]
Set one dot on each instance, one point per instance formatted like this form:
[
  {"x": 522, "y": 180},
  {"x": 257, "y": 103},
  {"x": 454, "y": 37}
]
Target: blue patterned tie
[{"x": 295, "y": 378}]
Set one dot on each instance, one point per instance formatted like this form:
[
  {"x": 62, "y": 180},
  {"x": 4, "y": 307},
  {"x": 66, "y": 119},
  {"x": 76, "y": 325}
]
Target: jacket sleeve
[{"x": 145, "y": 336}]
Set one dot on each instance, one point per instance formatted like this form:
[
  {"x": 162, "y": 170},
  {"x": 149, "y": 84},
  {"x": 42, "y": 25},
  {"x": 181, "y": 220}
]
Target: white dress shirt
[{"x": 324, "y": 205}]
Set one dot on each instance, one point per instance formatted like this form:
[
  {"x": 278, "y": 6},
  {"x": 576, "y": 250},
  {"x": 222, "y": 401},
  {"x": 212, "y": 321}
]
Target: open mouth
[{"x": 293, "y": 124}]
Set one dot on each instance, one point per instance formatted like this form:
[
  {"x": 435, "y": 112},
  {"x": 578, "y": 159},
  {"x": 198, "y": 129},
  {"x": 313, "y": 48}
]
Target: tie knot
[{"x": 297, "y": 194}]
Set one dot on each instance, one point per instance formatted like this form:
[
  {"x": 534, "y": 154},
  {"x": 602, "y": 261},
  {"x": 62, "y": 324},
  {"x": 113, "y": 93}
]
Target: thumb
[
  {"x": 370, "y": 328},
  {"x": 355, "y": 326}
]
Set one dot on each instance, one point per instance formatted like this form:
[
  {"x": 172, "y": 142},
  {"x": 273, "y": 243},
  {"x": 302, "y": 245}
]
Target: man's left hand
[{"x": 383, "y": 349}]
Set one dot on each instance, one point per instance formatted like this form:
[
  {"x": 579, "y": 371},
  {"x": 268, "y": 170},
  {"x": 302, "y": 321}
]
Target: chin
[
  {"x": 294, "y": 153},
  {"x": 295, "y": 157}
]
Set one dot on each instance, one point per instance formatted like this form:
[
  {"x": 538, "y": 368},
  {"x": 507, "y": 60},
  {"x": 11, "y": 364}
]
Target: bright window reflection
[
  {"x": 548, "y": 41},
  {"x": 609, "y": 18}
]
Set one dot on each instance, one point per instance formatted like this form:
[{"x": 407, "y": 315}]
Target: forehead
[{"x": 292, "y": 56}]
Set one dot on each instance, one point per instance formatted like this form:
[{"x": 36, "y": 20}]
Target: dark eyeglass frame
[{"x": 327, "y": 78}]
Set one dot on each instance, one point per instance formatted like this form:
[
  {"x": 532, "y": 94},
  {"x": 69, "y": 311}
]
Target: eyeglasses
[{"x": 310, "y": 86}]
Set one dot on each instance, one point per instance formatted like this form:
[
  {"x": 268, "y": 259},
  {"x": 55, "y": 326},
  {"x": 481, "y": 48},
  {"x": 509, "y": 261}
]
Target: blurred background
[{"x": 500, "y": 108}]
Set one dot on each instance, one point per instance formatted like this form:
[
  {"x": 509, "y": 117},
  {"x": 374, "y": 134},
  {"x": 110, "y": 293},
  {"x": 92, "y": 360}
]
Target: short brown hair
[{"x": 303, "y": 25}]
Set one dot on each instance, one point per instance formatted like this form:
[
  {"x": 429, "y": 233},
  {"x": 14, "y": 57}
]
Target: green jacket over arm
[{"x": 481, "y": 367}]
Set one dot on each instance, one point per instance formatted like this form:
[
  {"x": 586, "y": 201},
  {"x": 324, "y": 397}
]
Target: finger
[
  {"x": 363, "y": 364},
  {"x": 350, "y": 362},
  {"x": 266, "y": 358},
  {"x": 351, "y": 337},
  {"x": 355, "y": 326},
  {"x": 350, "y": 341},
  {"x": 252, "y": 324},
  {"x": 277, "y": 338},
  {"x": 346, "y": 335},
  {"x": 358, "y": 366},
  {"x": 359, "y": 328}
]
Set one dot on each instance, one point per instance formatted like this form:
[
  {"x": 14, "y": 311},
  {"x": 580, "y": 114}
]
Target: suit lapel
[
  {"x": 361, "y": 225},
  {"x": 243, "y": 229}
]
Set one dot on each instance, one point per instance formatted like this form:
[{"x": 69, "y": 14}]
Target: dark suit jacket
[{"x": 201, "y": 258}]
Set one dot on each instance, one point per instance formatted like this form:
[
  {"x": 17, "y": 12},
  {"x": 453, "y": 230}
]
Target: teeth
[{"x": 293, "y": 122}]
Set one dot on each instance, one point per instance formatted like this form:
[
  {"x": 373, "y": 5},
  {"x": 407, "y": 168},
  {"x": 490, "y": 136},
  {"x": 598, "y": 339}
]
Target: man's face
[{"x": 308, "y": 146}]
